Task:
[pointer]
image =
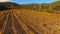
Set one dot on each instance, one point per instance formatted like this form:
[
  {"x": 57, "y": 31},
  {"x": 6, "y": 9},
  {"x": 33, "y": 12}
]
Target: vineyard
[{"x": 22, "y": 21}]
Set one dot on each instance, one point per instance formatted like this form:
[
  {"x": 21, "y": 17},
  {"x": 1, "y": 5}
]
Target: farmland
[{"x": 22, "y": 21}]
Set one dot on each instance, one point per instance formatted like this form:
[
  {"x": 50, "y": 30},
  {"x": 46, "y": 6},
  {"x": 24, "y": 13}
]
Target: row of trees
[{"x": 41, "y": 7}]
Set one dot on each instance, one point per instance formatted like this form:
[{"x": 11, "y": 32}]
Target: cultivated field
[{"x": 22, "y": 21}]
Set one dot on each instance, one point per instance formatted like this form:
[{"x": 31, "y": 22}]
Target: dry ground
[{"x": 21, "y": 21}]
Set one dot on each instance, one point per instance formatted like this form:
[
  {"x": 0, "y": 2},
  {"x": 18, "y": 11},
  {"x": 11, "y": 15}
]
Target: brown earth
[{"x": 22, "y": 21}]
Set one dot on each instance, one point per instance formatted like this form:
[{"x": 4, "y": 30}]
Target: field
[{"x": 22, "y": 21}]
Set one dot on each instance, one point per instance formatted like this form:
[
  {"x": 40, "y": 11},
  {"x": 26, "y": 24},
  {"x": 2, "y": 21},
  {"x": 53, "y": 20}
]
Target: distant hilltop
[{"x": 8, "y": 5}]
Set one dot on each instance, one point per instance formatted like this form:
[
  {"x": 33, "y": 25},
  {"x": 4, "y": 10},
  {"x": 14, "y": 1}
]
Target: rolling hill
[
  {"x": 8, "y": 5},
  {"x": 45, "y": 7}
]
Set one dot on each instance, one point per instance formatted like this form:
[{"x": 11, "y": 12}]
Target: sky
[
  {"x": 29, "y": 1},
  {"x": 33, "y": 1}
]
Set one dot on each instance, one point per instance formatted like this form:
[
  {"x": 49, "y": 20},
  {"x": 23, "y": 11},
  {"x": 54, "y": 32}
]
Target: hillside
[
  {"x": 45, "y": 7},
  {"x": 8, "y": 5},
  {"x": 22, "y": 21}
]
